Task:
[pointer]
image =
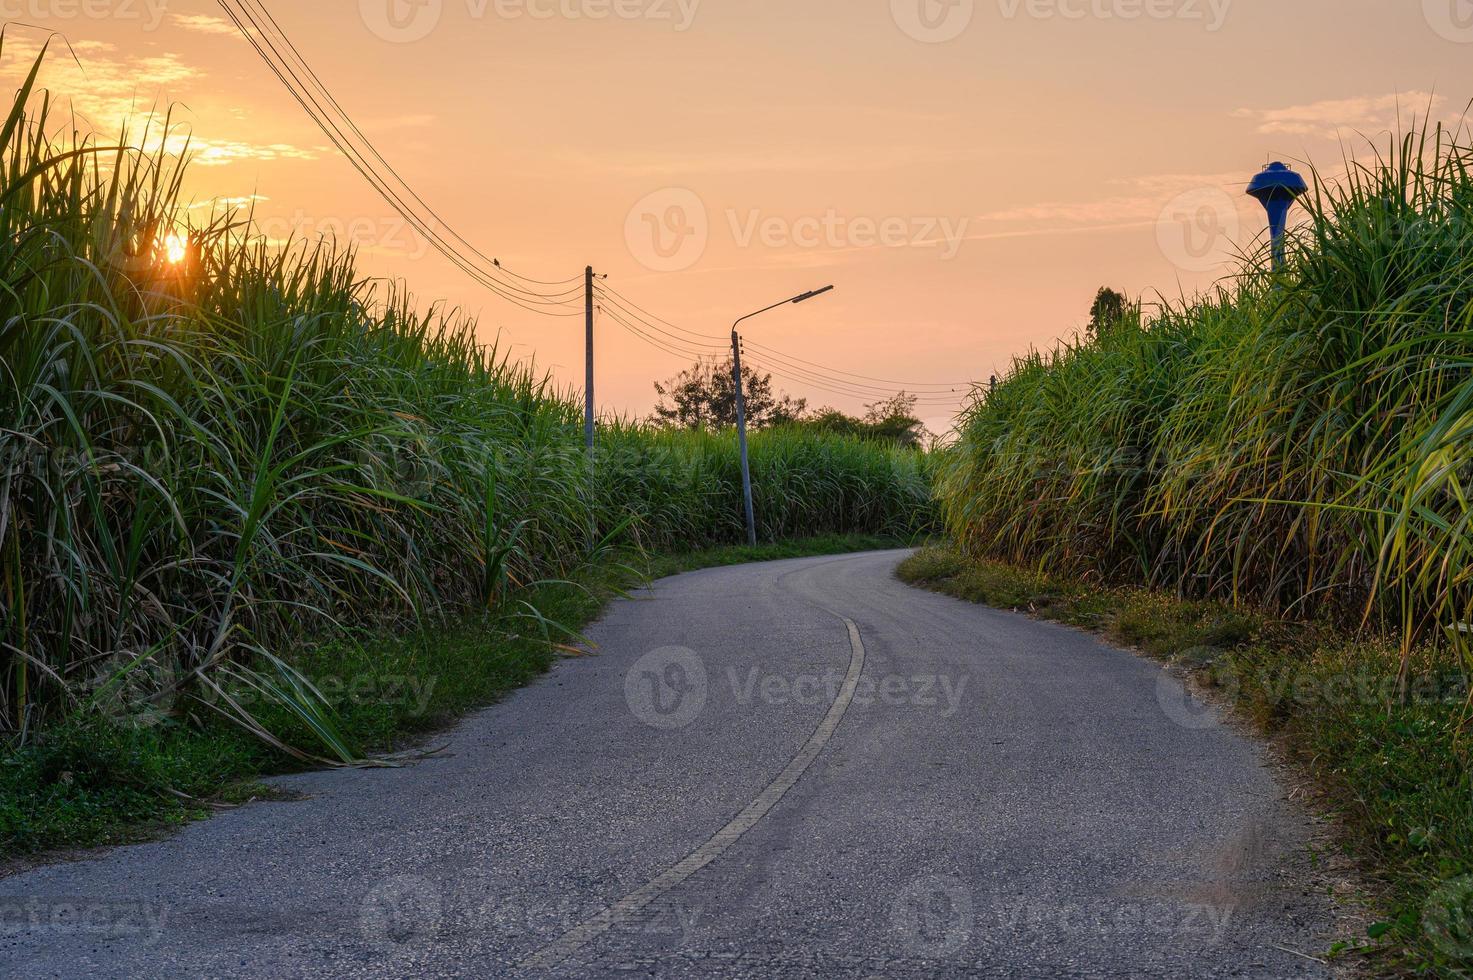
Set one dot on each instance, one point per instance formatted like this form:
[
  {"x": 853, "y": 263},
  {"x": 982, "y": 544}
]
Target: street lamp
[
  {"x": 1277, "y": 188},
  {"x": 741, "y": 404}
]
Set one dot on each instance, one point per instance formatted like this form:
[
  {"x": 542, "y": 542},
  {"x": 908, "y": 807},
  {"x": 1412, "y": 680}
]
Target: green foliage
[
  {"x": 703, "y": 396},
  {"x": 1301, "y": 440},
  {"x": 204, "y": 461},
  {"x": 89, "y": 780},
  {"x": 1111, "y": 310},
  {"x": 892, "y": 421}
]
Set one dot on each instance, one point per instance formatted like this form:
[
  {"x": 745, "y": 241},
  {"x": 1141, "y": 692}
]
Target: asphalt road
[{"x": 797, "y": 769}]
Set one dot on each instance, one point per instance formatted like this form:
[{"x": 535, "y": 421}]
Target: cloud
[
  {"x": 1331, "y": 118},
  {"x": 111, "y": 93},
  {"x": 854, "y": 159},
  {"x": 228, "y": 203},
  {"x": 1142, "y": 202},
  {"x": 205, "y": 24},
  {"x": 218, "y": 153}
]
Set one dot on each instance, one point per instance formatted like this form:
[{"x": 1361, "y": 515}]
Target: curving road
[{"x": 797, "y": 769}]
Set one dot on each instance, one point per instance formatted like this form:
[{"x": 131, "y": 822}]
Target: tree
[
  {"x": 892, "y": 420},
  {"x": 703, "y": 396},
  {"x": 1109, "y": 310}
]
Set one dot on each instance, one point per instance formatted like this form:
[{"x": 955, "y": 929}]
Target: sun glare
[{"x": 175, "y": 249}]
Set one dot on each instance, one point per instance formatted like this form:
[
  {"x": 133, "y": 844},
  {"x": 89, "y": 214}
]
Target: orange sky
[{"x": 965, "y": 172}]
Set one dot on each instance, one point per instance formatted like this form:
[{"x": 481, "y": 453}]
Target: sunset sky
[{"x": 966, "y": 172}]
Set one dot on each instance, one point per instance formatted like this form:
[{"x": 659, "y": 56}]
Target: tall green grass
[
  {"x": 1300, "y": 440},
  {"x": 203, "y": 462}
]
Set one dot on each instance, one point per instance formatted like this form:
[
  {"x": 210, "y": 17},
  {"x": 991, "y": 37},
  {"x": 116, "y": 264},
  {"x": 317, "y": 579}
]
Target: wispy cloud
[
  {"x": 1333, "y": 118},
  {"x": 855, "y": 159},
  {"x": 1142, "y": 202},
  {"x": 228, "y": 203},
  {"x": 204, "y": 24},
  {"x": 111, "y": 92}
]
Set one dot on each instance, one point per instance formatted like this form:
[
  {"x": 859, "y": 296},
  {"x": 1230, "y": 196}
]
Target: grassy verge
[
  {"x": 94, "y": 783},
  {"x": 1397, "y": 776}
]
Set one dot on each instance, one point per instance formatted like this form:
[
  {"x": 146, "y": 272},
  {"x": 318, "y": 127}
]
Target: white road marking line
[{"x": 632, "y": 904}]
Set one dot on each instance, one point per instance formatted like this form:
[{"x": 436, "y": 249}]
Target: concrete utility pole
[
  {"x": 741, "y": 406},
  {"x": 588, "y": 382},
  {"x": 741, "y": 414}
]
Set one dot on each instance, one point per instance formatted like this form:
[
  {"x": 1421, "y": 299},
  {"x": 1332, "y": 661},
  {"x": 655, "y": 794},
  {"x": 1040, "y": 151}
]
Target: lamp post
[
  {"x": 741, "y": 405},
  {"x": 1277, "y": 188}
]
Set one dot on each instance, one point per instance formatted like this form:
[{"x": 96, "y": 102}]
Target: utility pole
[
  {"x": 588, "y": 382},
  {"x": 741, "y": 404},
  {"x": 741, "y": 413}
]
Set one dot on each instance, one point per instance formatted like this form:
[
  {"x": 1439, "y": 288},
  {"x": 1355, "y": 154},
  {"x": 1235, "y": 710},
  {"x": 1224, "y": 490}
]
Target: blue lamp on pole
[{"x": 1277, "y": 188}]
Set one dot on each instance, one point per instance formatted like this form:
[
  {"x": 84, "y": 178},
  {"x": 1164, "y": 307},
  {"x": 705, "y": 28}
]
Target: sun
[{"x": 175, "y": 249}]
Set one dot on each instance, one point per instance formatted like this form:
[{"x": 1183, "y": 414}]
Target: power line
[
  {"x": 278, "y": 64},
  {"x": 886, "y": 381},
  {"x": 842, "y": 377},
  {"x": 288, "y": 64},
  {"x": 321, "y": 88},
  {"x": 682, "y": 337},
  {"x": 632, "y": 305},
  {"x": 317, "y": 113},
  {"x": 886, "y": 384}
]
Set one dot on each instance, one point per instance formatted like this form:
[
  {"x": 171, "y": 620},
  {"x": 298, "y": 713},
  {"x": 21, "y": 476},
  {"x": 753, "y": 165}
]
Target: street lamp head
[{"x": 811, "y": 293}]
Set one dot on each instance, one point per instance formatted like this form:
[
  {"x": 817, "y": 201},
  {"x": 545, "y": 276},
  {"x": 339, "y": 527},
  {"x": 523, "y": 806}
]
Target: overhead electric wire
[
  {"x": 669, "y": 346},
  {"x": 527, "y": 299},
  {"x": 317, "y": 109},
  {"x": 795, "y": 371},
  {"x": 346, "y": 136},
  {"x": 630, "y": 304},
  {"x": 908, "y": 385},
  {"x": 684, "y": 336},
  {"x": 337, "y": 107},
  {"x": 870, "y": 397},
  {"x": 787, "y": 362},
  {"x": 883, "y": 384}
]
